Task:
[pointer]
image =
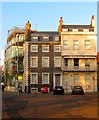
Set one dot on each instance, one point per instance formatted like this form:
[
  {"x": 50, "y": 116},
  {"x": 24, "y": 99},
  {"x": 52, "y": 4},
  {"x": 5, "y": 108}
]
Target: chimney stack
[
  {"x": 60, "y": 25},
  {"x": 92, "y": 21}
]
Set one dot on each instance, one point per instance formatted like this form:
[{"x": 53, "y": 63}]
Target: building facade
[
  {"x": 79, "y": 63},
  {"x": 66, "y": 57},
  {"x": 98, "y": 70},
  {"x": 13, "y": 57}
]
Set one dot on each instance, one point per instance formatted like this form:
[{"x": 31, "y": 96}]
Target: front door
[{"x": 57, "y": 79}]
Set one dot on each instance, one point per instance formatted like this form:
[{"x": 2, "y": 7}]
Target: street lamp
[{"x": 66, "y": 86}]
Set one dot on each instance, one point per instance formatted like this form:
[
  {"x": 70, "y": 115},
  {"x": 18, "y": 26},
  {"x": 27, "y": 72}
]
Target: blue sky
[{"x": 45, "y": 15}]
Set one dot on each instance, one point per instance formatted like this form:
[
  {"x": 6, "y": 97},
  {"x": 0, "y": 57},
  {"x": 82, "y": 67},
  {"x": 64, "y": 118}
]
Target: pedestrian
[
  {"x": 19, "y": 88},
  {"x": 2, "y": 86}
]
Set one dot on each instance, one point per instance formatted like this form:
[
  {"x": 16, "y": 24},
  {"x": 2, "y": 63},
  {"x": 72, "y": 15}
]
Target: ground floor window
[
  {"x": 34, "y": 78},
  {"x": 34, "y": 90},
  {"x": 87, "y": 78},
  {"x": 45, "y": 78}
]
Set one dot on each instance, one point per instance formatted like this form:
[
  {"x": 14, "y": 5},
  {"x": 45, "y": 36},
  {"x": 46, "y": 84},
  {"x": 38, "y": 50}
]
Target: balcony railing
[{"x": 79, "y": 68}]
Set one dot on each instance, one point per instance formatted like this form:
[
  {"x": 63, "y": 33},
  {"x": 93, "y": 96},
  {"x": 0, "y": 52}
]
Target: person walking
[
  {"x": 2, "y": 86},
  {"x": 19, "y": 88}
]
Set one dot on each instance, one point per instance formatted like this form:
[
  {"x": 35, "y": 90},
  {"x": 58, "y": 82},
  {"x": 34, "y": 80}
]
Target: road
[{"x": 50, "y": 106}]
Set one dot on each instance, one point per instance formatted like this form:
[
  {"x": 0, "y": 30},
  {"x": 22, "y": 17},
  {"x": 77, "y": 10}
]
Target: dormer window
[
  {"x": 69, "y": 29},
  {"x": 91, "y": 30},
  {"x": 56, "y": 38},
  {"x": 35, "y": 37},
  {"x": 80, "y": 29},
  {"x": 45, "y": 37}
]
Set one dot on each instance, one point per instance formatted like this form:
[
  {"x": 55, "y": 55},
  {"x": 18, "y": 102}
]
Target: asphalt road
[{"x": 50, "y": 106}]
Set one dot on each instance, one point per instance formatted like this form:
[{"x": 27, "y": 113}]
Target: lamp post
[{"x": 66, "y": 86}]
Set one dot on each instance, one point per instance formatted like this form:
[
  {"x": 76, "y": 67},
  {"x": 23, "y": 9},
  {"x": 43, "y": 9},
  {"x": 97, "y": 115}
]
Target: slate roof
[
  {"x": 76, "y": 26},
  {"x": 46, "y": 33}
]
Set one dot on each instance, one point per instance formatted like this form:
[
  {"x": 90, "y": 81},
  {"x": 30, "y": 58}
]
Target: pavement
[{"x": 20, "y": 106}]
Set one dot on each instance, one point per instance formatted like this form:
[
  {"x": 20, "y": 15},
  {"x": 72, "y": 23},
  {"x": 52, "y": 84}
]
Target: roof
[
  {"x": 76, "y": 26},
  {"x": 46, "y": 32}
]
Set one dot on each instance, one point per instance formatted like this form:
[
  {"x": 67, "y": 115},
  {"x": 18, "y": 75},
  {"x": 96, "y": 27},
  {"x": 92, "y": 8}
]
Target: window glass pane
[
  {"x": 87, "y": 44},
  {"x": 46, "y": 37},
  {"x": 57, "y": 62},
  {"x": 65, "y": 44},
  {"x": 34, "y": 78},
  {"x": 35, "y": 37},
  {"x": 57, "y": 38},
  {"x": 45, "y": 48},
  {"x": 76, "y": 77},
  {"x": 87, "y": 62},
  {"x": 45, "y": 78},
  {"x": 75, "y": 44},
  {"x": 34, "y": 48},
  {"x": 56, "y": 48},
  {"x": 34, "y": 62},
  {"x": 45, "y": 61},
  {"x": 87, "y": 78}
]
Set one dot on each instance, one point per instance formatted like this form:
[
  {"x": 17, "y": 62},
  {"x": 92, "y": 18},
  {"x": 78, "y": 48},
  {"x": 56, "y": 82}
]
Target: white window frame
[
  {"x": 65, "y": 44},
  {"x": 75, "y": 44},
  {"x": 46, "y": 37},
  {"x": 48, "y": 81},
  {"x": 76, "y": 77},
  {"x": 87, "y": 44},
  {"x": 56, "y": 38},
  {"x": 36, "y": 65},
  {"x": 43, "y": 64},
  {"x": 87, "y": 78},
  {"x": 45, "y": 48},
  {"x": 56, "y": 63},
  {"x": 35, "y": 37},
  {"x": 56, "y": 48},
  {"x": 35, "y": 48},
  {"x": 36, "y": 81},
  {"x": 34, "y": 90}
]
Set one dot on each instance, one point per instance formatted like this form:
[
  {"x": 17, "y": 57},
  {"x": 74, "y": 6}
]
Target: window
[
  {"x": 56, "y": 38},
  {"x": 75, "y": 44},
  {"x": 57, "y": 61},
  {"x": 87, "y": 44},
  {"x": 34, "y": 78},
  {"x": 34, "y": 61},
  {"x": 34, "y": 90},
  {"x": 35, "y": 37},
  {"x": 76, "y": 61},
  {"x": 46, "y": 38},
  {"x": 87, "y": 62},
  {"x": 45, "y": 48},
  {"x": 21, "y": 37},
  {"x": 70, "y": 29},
  {"x": 65, "y": 44},
  {"x": 45, "y": 61},
  {"x": 66, "y": 61},
  {"x": 80, "y": 29},
  {"x": 56, "y": 48},
  {"x": 34, "y": 48},
  {"x": 45, "y": 78},
  {"x": 87, "y": 78},
  {"x": 76, "y": 77}
]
